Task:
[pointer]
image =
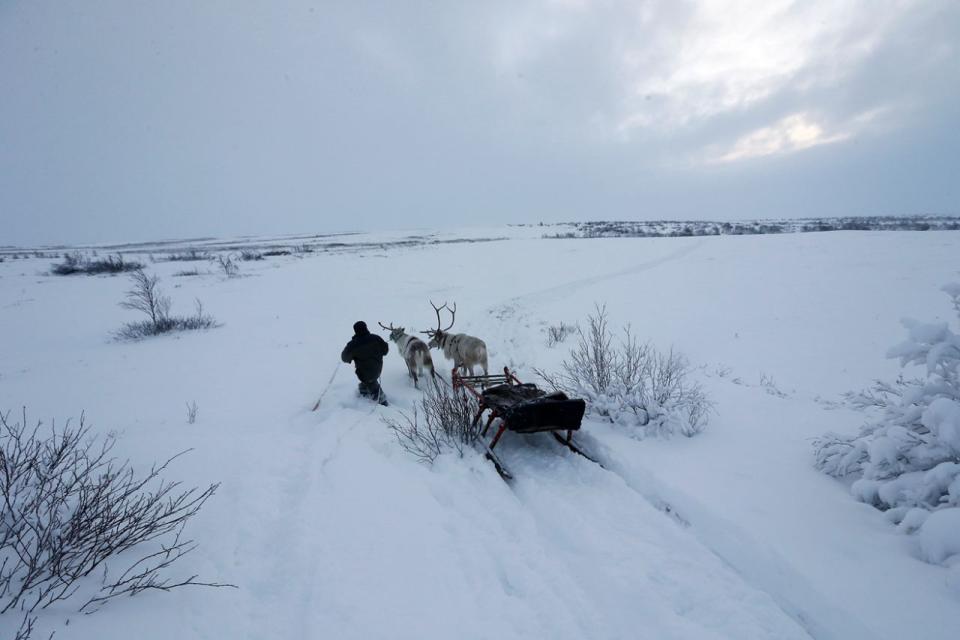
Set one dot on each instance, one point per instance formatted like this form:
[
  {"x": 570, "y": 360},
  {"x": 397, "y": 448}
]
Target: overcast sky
[{"x": 136, "y": 119}]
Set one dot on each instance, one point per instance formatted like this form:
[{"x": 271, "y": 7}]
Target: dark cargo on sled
[{"x": 522, "y": 408}]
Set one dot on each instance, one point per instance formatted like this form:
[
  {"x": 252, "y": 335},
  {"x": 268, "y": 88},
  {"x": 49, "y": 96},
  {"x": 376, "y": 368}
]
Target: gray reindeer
[
  {"x": 465, "y": 351},
  {"x": 413, "y": 350}
]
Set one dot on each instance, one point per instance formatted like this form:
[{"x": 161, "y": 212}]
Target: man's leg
[
  {"x": 371, "y": 389},
  {"x": 381, "y": 397},
  {"x": 365, "y": 390}
]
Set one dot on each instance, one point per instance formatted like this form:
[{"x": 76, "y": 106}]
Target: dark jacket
[{"x": 366, "y": 351}]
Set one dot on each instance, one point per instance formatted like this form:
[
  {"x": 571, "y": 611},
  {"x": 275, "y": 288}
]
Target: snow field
[{"x": 331, "y": 530}]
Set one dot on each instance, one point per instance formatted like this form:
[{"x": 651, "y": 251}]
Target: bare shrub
[
  {"x": 592, "y": 361},
  {"x": 227, "y": 265},
  {"x": 145, "y": 297},
  {"x": 631, "y": 382},
  {"x": 112, "y": 264},
  {"x": 248, "y": 255},
  {"x": 149, "y": 300},
  {"x": 442, "y": 422},
  {"x": 770, "y": 386},
  {"x": 199, "y": 320},
  {"x": 76, "y": 262},
  {"x": 72, "y": 263},
  {"x": 69, "y": 509},
  {"x": 186, "y": 273},
  {"x": 192, "y": 409},
  {"x": 190, "y": 255},
  {"x": 558, "y": 333}
]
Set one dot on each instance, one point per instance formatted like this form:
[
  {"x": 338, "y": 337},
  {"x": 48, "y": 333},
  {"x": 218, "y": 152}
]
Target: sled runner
[{"x": 521, "y": 408}]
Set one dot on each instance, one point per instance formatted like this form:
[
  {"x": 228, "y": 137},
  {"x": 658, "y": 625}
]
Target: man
[{"x": 366, "y": 350}]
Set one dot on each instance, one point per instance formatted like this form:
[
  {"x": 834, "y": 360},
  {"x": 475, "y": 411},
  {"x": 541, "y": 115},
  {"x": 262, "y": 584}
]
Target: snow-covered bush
[
  {"x": 149, "y": 300},
  {"x": 80, "y": 527},
  {"x": 442, "y": 422},
  {"x": 938, "y": 540},
  {"x": 631, "y": 382},
  {"x": 908, "y": 460}
]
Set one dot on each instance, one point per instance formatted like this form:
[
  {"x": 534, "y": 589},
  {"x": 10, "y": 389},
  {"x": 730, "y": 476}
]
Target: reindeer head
[
  {"x": 395, "y": 332},
  {"x": 436, "y": 335}
]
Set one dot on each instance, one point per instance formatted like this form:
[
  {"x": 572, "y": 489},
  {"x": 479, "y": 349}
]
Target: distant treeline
[{"x": 673, "y": 228}]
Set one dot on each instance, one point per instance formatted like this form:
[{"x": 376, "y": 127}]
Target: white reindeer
[
  {"x": 465, "y": 351},
  {"x": 413, "y": 350}
]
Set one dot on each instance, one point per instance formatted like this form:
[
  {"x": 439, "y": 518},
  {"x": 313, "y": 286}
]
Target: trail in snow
[
  {"x": 505, "y": 341},
  {"x": 606, "y": 538},
  {"x": 568, "y": 288},
  {"x": 757, "y": 564}
]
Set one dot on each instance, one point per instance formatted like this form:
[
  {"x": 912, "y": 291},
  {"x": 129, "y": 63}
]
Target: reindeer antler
[
  {"x": 390, "y": 328},
  {"x": 431, "y": 332},
  {"x": 453, "y": 315}
]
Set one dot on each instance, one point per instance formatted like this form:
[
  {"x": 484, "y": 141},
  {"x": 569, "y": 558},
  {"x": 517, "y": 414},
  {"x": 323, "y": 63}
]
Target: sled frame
[{"x": 475, "y": 385}]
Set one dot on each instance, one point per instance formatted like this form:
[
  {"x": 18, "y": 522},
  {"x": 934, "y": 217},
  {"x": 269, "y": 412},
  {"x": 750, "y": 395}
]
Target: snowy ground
[{"x": 331, "y": 530}]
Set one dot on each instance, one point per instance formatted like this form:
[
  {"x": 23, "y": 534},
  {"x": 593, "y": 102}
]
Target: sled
[{"x": 521, "y": 408}]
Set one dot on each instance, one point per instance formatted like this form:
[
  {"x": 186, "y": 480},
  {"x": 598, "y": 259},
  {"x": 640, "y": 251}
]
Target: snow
[
  {"x": 942, "y": 417},
  {"x": 331, "y": 530},
  {"x": 939, "y": 537}
]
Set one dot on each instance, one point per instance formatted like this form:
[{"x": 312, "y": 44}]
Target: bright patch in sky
[{"x": 793, "y": 133}]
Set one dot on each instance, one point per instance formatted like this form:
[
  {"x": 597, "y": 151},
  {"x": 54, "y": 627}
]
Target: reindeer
[
  {"x": 465, "y": 351},
  {"x": 413, "y": 350}
]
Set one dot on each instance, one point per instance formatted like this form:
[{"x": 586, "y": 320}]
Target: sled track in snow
[
  {"x": 288, "y": 533},
  {"x": 567, "y": 288},
  {"x": 753, "y": 561},
  {"x": 756, "y": 563},
  {"x": 602, "y": 530}
]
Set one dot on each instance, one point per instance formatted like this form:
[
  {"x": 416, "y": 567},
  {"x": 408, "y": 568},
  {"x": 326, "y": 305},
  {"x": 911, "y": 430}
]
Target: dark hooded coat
[{"x": 365, "y": 350}]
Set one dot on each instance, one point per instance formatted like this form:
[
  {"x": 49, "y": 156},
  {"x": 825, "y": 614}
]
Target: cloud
[
  {"x": 730, "y": 56},
  {"x": 142, "y": 120}
]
